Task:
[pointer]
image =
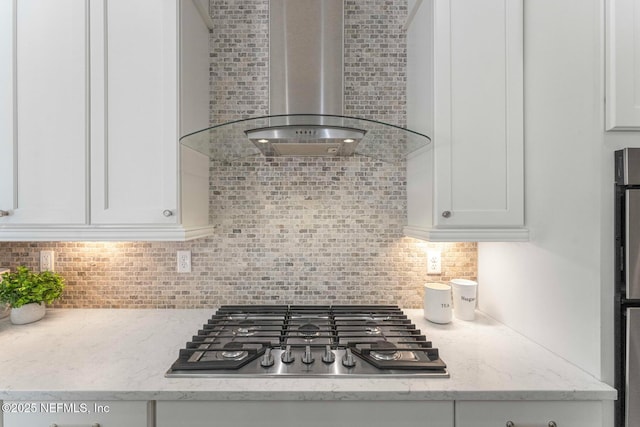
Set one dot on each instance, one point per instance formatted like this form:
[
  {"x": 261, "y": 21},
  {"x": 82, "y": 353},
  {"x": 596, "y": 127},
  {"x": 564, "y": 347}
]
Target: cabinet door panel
[
  {"x": 45, "y": 121},
  {"x": 134, "y": 111},
  {"x": 623, "y": 65},
  {"x": 478, "y": 113},
  {"x": 7, "y": 130}
]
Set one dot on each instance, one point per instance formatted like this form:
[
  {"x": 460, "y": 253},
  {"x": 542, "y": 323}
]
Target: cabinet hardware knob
[
  {"x": 510, "y": 424},
  {"x": 167, "y": 213},
  {"x": 447, "y": 214},
  {"x": 4, "y": 213},
  {"x": 552, "y": 424}
]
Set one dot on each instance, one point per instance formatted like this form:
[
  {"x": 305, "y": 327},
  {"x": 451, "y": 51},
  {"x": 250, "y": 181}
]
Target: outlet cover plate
[
  {"x": 184, "y": 262},
  {"x": 434, "y": 262},
  {"x": 47, "y": 261}
]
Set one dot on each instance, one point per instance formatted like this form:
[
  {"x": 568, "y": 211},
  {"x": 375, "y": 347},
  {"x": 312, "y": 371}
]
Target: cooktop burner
[{"x": 308, "y": 340}]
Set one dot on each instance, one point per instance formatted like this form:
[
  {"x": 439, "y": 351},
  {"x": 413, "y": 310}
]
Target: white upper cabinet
[
  {"x": 134, "y": 112},
  {"x": 91, "y": 111},
  {"x": 465, "y": 88},
  {"x": 623, "y": 65},
  {"x": 43, "y": 112}
]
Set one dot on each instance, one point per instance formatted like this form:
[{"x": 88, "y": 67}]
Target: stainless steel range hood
[{"x": 306, "y": 80}]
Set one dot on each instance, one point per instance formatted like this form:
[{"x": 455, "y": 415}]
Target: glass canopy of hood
[{"x": 306, "y": 135}]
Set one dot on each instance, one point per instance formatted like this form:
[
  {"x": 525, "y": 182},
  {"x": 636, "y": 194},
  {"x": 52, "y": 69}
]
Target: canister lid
[
  {"x": 438, "y": 286},
  {"x": 464, "y": 282}
]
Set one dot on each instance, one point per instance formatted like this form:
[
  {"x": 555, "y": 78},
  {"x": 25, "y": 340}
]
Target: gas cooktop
[{"x": 308, "y": 341}]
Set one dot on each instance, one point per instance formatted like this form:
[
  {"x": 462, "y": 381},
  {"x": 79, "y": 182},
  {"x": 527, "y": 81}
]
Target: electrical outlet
[
  {"x": 47, "y": 261},
  {"x": 184, "y": 261},
  {"x": 434, "y": 262}
]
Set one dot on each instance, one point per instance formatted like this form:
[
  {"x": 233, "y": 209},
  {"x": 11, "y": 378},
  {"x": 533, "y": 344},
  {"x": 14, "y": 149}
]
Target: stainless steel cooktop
[{"x": 309, "y": 341}]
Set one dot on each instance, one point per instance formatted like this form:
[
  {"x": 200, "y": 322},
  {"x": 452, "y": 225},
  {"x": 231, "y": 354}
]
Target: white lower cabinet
[
  {"x": 308, "y": 414},
  {"x": 529, "y": 414},
  {"x": 76, "y": 414}
]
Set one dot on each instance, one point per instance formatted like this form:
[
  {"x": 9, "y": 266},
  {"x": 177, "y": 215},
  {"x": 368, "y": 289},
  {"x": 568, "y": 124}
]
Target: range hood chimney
[
  {"x": 306, "y": 95},
  {"x": 306, "y": 67},
  {"x": 306, "y": 57}
]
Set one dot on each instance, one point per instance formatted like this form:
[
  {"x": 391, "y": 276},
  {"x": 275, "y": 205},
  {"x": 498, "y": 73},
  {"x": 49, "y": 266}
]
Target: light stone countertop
[{"x": 95, "y": 354}]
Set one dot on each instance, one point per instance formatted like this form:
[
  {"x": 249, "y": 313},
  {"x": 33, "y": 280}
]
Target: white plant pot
[{"x": 28, "y": 313}]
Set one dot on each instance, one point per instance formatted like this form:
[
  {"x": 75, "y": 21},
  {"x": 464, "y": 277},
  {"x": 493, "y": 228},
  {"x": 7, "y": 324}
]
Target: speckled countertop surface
[{"x": 124, "y": 354}]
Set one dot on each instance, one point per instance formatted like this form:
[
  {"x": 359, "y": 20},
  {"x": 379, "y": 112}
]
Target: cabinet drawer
[
  {"x": 309, "y": 414},
  {"x": 529, "y": 414}
]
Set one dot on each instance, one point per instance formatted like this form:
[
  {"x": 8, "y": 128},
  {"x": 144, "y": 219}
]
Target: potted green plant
[{"x": 28, "y": 292}]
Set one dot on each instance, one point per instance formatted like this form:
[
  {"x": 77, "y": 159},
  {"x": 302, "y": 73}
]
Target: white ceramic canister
[
  {"x": 464, "y": 298},
  {"x": 437, "y": 302}
]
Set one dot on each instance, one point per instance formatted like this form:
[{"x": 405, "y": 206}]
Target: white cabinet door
[
  {"x": 623, "y": 65},
  {"x": 478, "y": 113},
  {"x": 468, "y": 185},
  {"x": 530, "y": 414},
  {"x": 134, "y": 111},
  {"x": 43, "y": 111},
  {"x": 307, "y": 413},
  {"x": 86, "y": 413}
]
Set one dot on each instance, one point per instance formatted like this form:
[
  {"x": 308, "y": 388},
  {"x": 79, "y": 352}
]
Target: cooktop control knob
[
  {"x": 287, "y": 356},
  {"x": 328, "y": 356},
  {"x": 348, "y": 360},
  {"x": 267, "y": 359},
  {"x": 308, "y": 357}
]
